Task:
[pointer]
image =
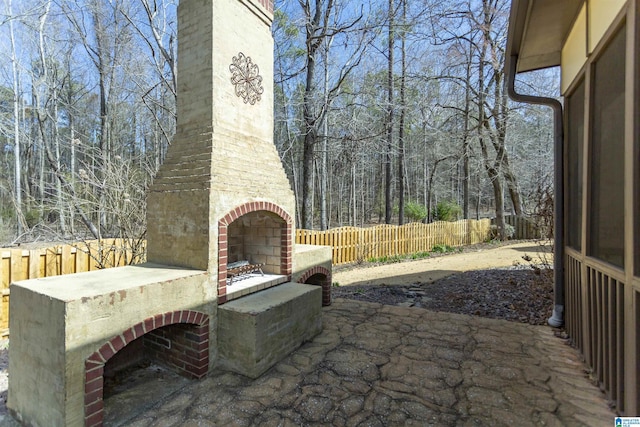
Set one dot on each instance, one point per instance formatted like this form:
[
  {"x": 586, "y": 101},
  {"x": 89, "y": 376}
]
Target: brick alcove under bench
[{"x": 178, "y": 340}]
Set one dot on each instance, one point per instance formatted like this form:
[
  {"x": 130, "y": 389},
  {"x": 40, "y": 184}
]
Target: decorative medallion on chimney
[{"x": 246, "y": 78}]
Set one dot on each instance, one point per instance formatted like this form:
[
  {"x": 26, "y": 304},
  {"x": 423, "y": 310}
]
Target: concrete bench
[
  {"x": 257, "y": 331},
  {"x": 60, "y": 324}
]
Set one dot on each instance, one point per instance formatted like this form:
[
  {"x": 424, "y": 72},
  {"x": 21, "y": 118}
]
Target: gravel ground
[{"x": 520, "y": 293}]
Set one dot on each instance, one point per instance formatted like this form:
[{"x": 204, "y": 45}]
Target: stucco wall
[{"x": 594, "y": 19}]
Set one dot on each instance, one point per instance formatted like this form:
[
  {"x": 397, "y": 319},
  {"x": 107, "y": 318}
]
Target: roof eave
[{"x": 537, "y": 31}]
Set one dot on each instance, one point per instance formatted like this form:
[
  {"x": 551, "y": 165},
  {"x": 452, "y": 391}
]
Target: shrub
[
  {"x": 509, "y": 232},
  {"x": 415, "y": 211},
  {"x": 447, "y": 210},
  {"x": 440, "y": 249},
  {"x": 399, "y": 258},
  {"x": 420, "y": 255},
  {"x": 32, "y": 217}
]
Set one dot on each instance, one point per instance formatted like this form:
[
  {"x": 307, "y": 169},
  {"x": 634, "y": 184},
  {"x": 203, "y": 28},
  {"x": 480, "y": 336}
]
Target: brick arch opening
[
  {"x": 179, "y": 339},
  {"x": 319, "y": 276},
  {"x": 264, "y": 231}
]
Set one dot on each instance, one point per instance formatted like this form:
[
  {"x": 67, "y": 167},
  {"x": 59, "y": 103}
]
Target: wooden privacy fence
[
  {"x": 524, "y": 227},
  {"x": 20, "y": 264},
  {"x": 351, "y": 244}
]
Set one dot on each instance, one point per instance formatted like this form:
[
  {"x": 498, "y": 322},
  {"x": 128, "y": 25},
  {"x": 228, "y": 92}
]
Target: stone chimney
[{"x": 222, "y": 163}]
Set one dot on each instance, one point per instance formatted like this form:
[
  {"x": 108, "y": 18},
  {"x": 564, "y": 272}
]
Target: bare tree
[
  {"x": 157, "y": 32},
  {"x": 481, "y": 26},
  {"x": 388, "y": 177},
  {"x": 321, "y": 21},
  {"x": 123, "y": 186},
  {"x": 16, "y": 123},
  {"x": 360, "y": 127},
  {"x": 403, "y": 113}
]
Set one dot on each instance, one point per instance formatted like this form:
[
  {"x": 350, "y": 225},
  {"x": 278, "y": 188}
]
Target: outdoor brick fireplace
[
  {"x": 259, "y": 232},
  {"x": 220, "y": 198}
]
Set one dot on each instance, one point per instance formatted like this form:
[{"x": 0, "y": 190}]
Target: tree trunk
[
  {"x": 403, "y": 108},
  {"x": 465, "y": 140},
  {"x": 72, "y": 180},
  {"x": 388, "y": 180},
  {"x": 429, "y": 195},
  {"x": 512, "y": 187},
  {"x": 21, "y": 225},
  {"x": 497, "y": 135},
  {"x": 296, "y": 187},
  {"x": 310, "y": 136},
  {"x": 479, "y": 198},
  {"x": 60, "y": 198},
  {"x": 354, "y": 200},
  {"x": 324, "y": 159},
  {"x": 498, "y": 197}
]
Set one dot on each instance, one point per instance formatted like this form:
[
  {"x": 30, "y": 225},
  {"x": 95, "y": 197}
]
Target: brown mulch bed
[{"x": 521, "y": 294}]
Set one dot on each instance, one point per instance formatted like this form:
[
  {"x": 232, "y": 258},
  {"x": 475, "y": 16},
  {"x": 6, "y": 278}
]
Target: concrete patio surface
[{"x": 376, "y": 365}]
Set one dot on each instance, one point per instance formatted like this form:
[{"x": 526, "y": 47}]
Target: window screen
[
  {"x": 606, "y": 239},
  {"x": 636, "y": 143}
]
